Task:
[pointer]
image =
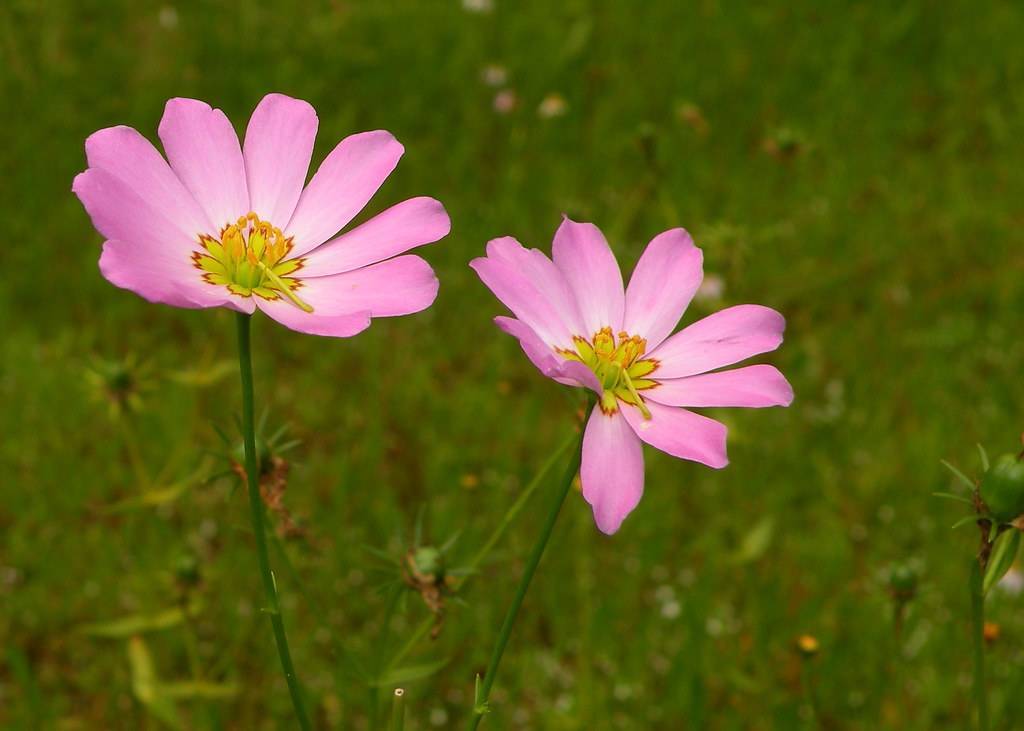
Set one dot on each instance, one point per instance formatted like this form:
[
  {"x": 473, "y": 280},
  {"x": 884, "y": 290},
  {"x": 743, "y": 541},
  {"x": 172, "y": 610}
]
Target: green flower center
[
  {"x": 248, "y": 259},
  {"x": 619, "y": 366}
]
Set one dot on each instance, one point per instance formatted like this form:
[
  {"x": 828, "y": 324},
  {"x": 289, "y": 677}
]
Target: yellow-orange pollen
[
  {"x": 250, "y": 258},
  {"x": 619, "y": 366}
]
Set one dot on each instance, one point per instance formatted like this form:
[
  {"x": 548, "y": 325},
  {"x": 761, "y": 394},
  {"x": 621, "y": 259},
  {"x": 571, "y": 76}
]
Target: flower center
[
  {"x": 248, "y": 259},
  {"x": 618, "y": 365}
]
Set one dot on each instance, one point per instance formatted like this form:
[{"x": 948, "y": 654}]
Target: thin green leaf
[
  {"x": 222, "y": 434},
  {"x": 756, "y": 541},
  {"x": 149, "y": 498},
  {"x": 197, "y": 690},
  {"x": 408, "y": 673},
  {"x": 448, "y": 544},
  {"x": 278, "y": 434},
  {"x": 952, "y": 496},
  {"x": 162, "y": 495},
  {"x": 136, "y": 624},
  {"x": 1004, "y": 553},
  {"x": 387, "y": 558},
  {"x": 144, "y": 684},
  {"x": 964, "y": 521},
  {"x": 203, "y": 376},
  {"x": 984, "y": 457},
  {"x": 291, "y": 444},
  {"x": 963, "y": 478},
  {"x": 480, "y": 705}
]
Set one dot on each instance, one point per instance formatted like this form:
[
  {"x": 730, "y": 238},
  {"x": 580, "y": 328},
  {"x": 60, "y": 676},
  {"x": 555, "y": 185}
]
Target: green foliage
[
  {"x": 138, "y": 623},
  {"x": 856, "y": 166},
  {"x": 1004, "y": 553}
]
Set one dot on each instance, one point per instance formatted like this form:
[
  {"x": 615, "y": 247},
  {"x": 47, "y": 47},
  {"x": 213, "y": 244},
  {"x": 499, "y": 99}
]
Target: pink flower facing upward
[
  {"x": 580, "y": 327},
  {"x": 223, "y": 224}
]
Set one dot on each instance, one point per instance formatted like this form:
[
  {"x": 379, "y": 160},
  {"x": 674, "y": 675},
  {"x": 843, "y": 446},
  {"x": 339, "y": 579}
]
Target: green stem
[
  {"x": 510, "y": 515},
  {"x": 513, "y": 512},
  {"x": 810, "y": 691},
  {"x": 256, "y": 507},
  {"x": 484, "y": 688},
  {"x": 978, "y": 638},
  {"x": 135, "y": 459},
  {"x": 398, "y": 711}
]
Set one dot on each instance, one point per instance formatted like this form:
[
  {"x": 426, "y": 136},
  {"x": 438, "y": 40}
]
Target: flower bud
[
  {"x": 903, "y": 581},
  {"x": 122, "y": 384},
  {"x": 264, "y": 456},
  {"x": 428, "y": 561},
  {"x": 1002, "y": 488},
  {"x": 186, "y": 569}
]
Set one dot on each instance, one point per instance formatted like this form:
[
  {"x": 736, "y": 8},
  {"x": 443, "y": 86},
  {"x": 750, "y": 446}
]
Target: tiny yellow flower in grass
[{"x": 808, "y": 645}]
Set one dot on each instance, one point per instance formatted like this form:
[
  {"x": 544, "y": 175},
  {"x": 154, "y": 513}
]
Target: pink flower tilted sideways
[
  {"x": 581, "y": 327},
  {"x": 219, "y": 224}
]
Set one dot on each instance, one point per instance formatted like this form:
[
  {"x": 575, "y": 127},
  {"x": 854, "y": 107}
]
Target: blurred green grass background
[{"x": 857, "y": 166}]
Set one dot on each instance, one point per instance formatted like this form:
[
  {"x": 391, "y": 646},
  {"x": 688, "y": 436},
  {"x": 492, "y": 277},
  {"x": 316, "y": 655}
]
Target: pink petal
[
  {"x": 753, "y": 386},
  {"x": 547, "y": 361},
  {"x": 664, "y": 281},
  {"x": 398, "y": 286},
  {"x": 204, "y": 153},
  {"x": 344, "y": 303},
  {"x": 586, "y": 261},
  {"x": 277, "y": 149},
  {"x": 144, "y": 240},
  {"x": 680, "y": 433},
  {"x": 612, "y": 471},
  {"x": 118, "y": 212},
  {"x": 726, "y": 337},
  {"x": 131, "y": 158},
  {"x": 333, "y": 326},
  {"x": 404, "y": 226},
  {"x": 153, "y": 278},
  {"x": 343, "y": 185},
  {"x": 530, "y": 285}
]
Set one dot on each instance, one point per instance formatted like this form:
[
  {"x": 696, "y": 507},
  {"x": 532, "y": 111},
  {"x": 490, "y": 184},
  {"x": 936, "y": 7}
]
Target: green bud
[
  {"x": 428, "y": 561},
  {"x": 264, "y": 455},
  {"x": 1002, "y": 488},
  {"x": 121, "y": 383},
  {"x": 186, "y": 569},
  {"x": 903, "y": 581}
]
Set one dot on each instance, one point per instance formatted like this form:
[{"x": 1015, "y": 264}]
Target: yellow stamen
[
  {"x": 285, "y": 289},
  {"x": 249, "y": 258},
  {"x": 618, "y": 364},
  {"x": 632, "y": 392}
]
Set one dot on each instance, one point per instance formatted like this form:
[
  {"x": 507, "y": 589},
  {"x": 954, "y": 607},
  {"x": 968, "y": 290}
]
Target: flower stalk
[
  {"x": 978, "y": 640},
  {"x": 256, "y": 505},
  {"x": 483, "y": 686},
  {"x": 398, "y": 711}
]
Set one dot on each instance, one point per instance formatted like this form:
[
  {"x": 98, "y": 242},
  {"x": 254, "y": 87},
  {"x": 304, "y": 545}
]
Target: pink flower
[
  {"x": 580, "y": 327},
  {"x": 233, "y": 225}
]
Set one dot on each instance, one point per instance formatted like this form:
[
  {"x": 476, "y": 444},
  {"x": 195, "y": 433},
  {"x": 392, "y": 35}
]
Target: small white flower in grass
[
  {"x": 553, "y": 105},
  {"x": 478, "y": 6},
  {"x": 711, "y": 289},
  {"x": 505, "y": 101},
  {"x": 494, "y": 75},
  {"x": 168, "y": 17}
]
